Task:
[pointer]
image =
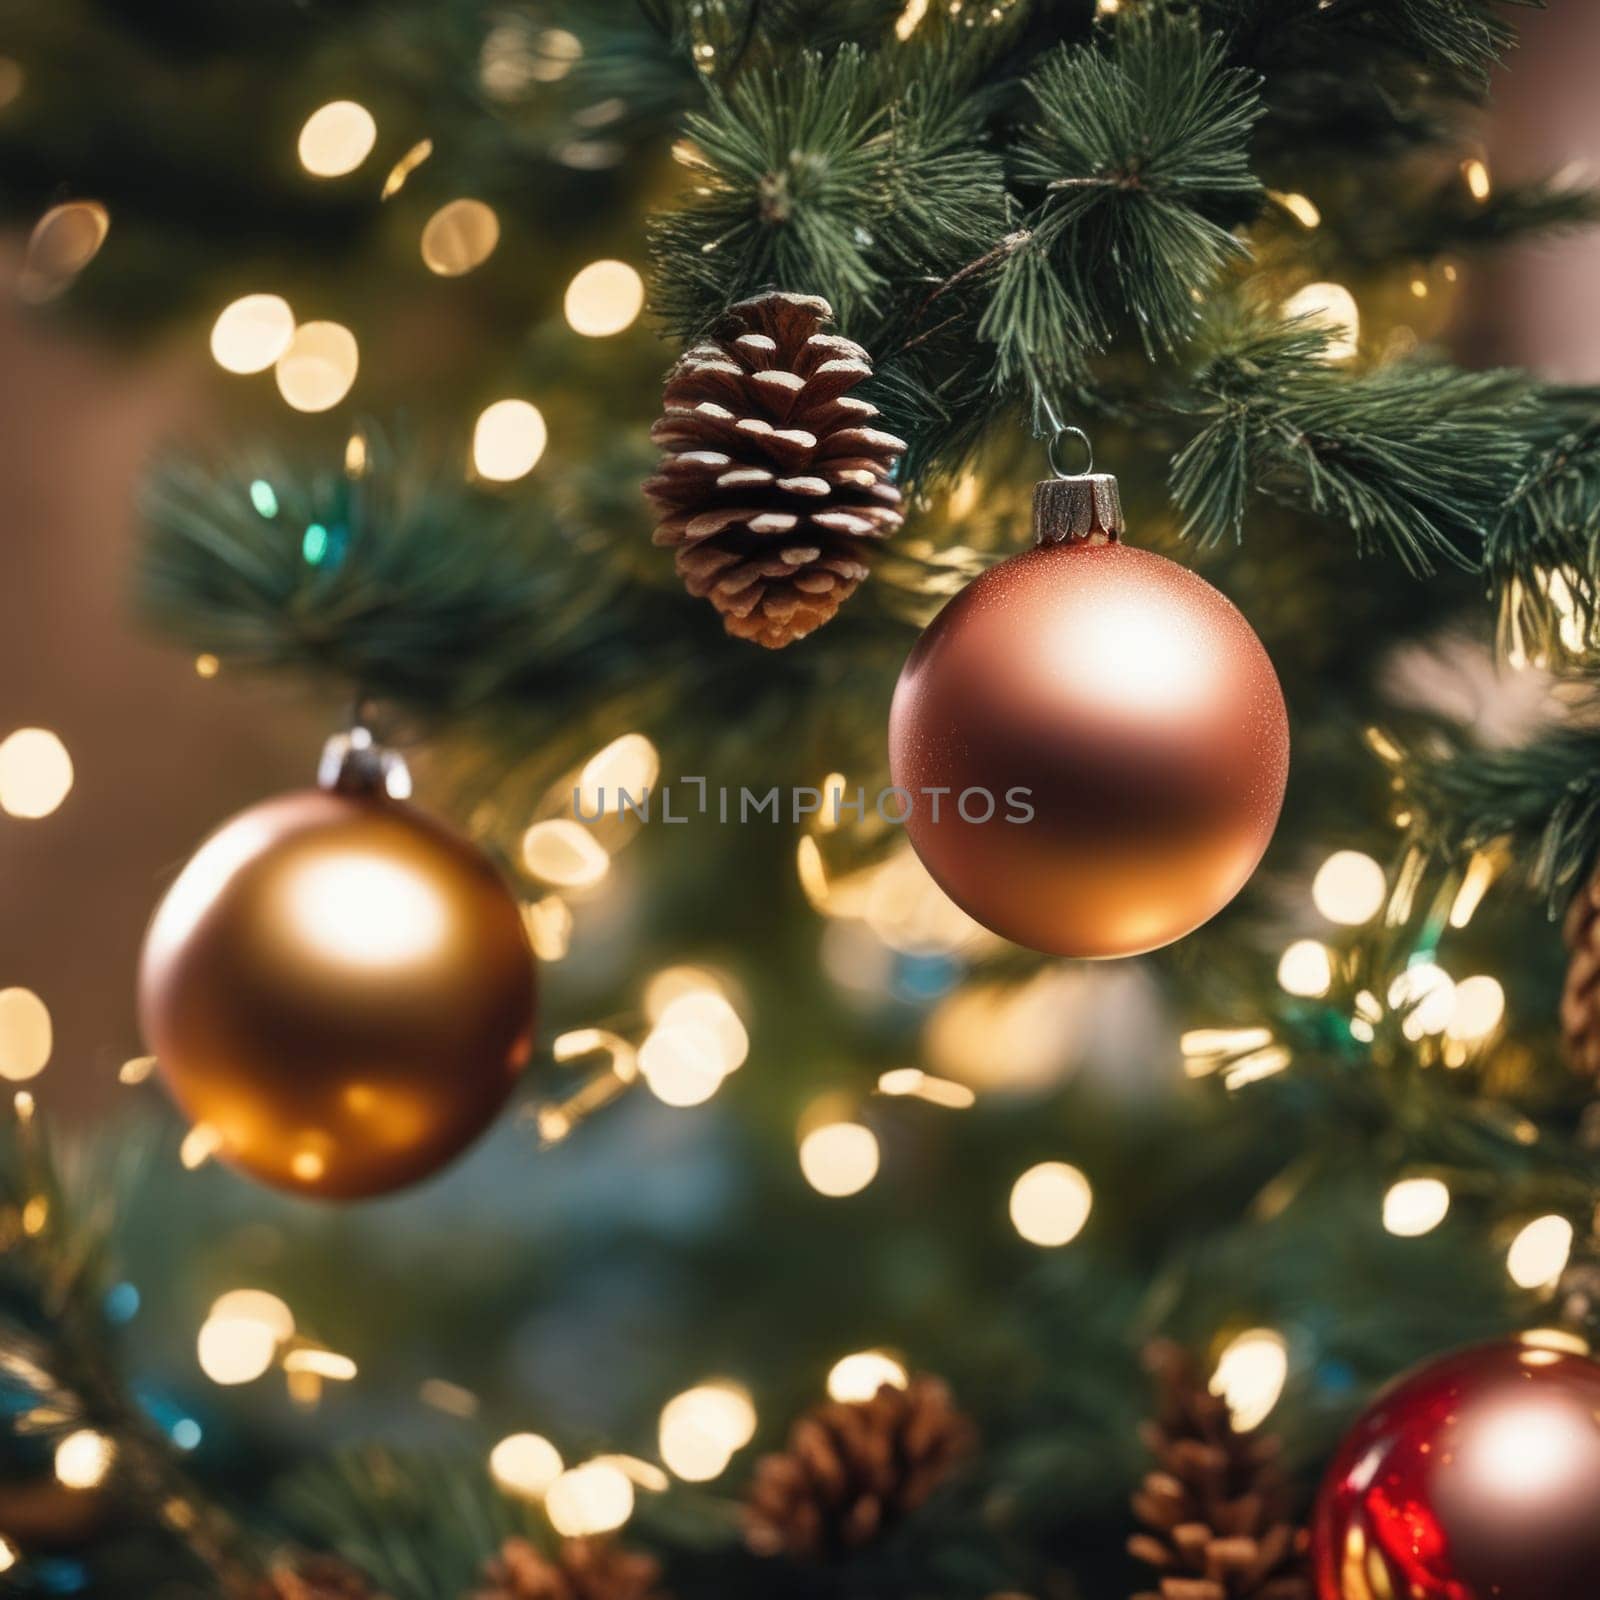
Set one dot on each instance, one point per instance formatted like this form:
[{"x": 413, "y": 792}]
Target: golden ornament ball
[
  {"x": 340, "y": 990},
  {"x": 1092, "y": 741}
]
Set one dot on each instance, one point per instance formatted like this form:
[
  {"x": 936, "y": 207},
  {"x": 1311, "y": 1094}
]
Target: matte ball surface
[
  {"x": 1141, "y": 715},
  {"x": 341, "y": 990},
  {"x": 1477, "y": 1477}
]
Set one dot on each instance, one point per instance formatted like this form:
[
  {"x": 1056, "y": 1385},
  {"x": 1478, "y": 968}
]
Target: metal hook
[{"x": 1062, "y": 430}]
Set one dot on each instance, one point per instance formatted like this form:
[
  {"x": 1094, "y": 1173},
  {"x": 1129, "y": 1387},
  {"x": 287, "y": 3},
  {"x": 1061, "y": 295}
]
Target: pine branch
[
  {"x": 1542, "y": 801},
  {"x": 1141, "y": 151},
  {"x": 1542, "y": 552},
  {"x": 1414, "y": 457}
]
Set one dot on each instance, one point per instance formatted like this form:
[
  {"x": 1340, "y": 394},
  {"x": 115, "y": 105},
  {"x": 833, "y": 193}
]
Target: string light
[
  {"x": 1349, "y": 888},
  {"x": 251, "y": 333},
  {"x": 1427, "y": 995},
  {"x": 1480, "y": 1003},
  {"x": 915, "y": 1082},
  {"x": 1050, "y": 1204},
  {"x": 1415, "y": 1206},
  {"x": 508, "y": 440},
  {"x": 839, "y": 1159},
  {"x": 235, "y": 1350},
  {"x": 1250, "y": 1376},
  {"x": 630, "y": 763},
  {"x": 200, "y": 1143},
  {"x": 206, "y": 665},
  {"x": 26, "y": 1035},
  {"x": 588, "y": 1500},
  {"x": 1538, "y": 1255},
  {"x": 526, "y": 1464},
  {"x": 8, "y": 1555},
  {"x": 1475, "y": 883},
  {"x": 84, "y": 1459},
  {"x": 320, "y": 1363},
  {"x": 604, "y": 298},
  {"x": 404, "y": 167},
  {"x": 1301, "y": 209},
  {"x": 564, "y": 853},
  {"x": 681, "y": 1066},
  {"x": 337, "y": 138},
  {"x": 1476, "y": 173},
  {"x": 459, "y": 236},
  {"x": 859, "y": 1377},
  {"x": 35, "y": 773},
  {"x": 319, "y": 365},
  {"x": 701, "y": 1430},
  {"x": 136, "y": 1070},
  {"x": 1306, "y": 969},
  {"x": 1330, "y": 306}
]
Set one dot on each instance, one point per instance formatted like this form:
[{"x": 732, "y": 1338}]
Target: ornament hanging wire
[{"x": 1064, "y": 431}]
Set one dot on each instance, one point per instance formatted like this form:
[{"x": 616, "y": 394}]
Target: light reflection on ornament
[{"x": 364, "y": 911}]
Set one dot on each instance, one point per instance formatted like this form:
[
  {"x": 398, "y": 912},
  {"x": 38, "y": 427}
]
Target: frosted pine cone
[
  {"x": 583, "y": 1569},
  {"x": 773, "y": 488},
  {"x": 1580, "y": 996},
  {"x": 853, "y": 1470},
  {"x": 1215, "y": 1505}
]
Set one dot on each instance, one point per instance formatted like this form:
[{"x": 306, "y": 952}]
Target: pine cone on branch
[
  {"x": 1580, "y": 995},
  {"x": 582, "y": 1569},
  {"x": 1216, "y": 1506},
  {"x": 317, "y": 1578},
  {"x": 852, "y": 1470},
  {"x": 773, "y": 488}
]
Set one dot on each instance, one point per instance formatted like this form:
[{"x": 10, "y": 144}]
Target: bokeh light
[
  {"x": 1050, "y": 1203},
  {"x": 317, "y": 369},
  {"x": 35, "y": 773},
  {"x": 591, "y": 1499},
  {"x": 839, "y": 1158},
  {"x": 235, "y": 1350},
  {"x": 604, "y": 298},
  {"x": 1250, "y": 1376},
  {"x": 508, "y": 440},
  {"x": 26, "y": 1035},
  {"x": 251, "y": 333},
  {"x": 458, "y": 237},
  {"x": 1306, "y": 969},
  {"x": 1415, "y": 1206},
  {"x": 525, "y": 1464},
  {"x": 84, "y": 1459},
  {"x": 1426, "y": 994},
  {"x": 1480, "y": 1003},
  {"x": 1349, "y": 888},
  {"x": 337, "y": 138},
  {"x": 702, "y": 1428},
  {"x": 1330, "y": 306},
  {"x": 1538, "y": 1254},
  {"x": 859, "y": 1377}
]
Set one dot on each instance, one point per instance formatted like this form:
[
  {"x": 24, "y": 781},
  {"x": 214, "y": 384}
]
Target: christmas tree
[{"x": 827, "y": 1243}]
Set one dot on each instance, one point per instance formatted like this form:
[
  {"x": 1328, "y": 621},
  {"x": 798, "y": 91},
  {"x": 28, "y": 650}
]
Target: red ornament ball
[
  {"x": 340, "y": 989},
  {"x": 1476, "y": 1477},
  {"x": 1094, "y": 746}
]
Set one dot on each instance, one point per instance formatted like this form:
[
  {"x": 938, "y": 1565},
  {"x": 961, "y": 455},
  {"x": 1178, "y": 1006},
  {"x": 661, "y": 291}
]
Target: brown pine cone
[
  {"x": 773, "y": 489},
  {"x": 1580, "y": 996},
  {"x": 582, "y": 1569},
  {"x": 1216, "y": 1506},
  {"x": 317, "y": 1578},
  {"x": 853, "y": 1470}
]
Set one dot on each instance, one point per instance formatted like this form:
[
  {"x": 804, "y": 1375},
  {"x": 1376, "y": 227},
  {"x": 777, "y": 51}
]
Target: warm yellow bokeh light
[
  {"x": 1426, "y": 993},
  {"x": 26, "y": 1035},
  {"x": 630, "y": 764},
  {"x": 316, "y": 370},
  {"x": 1330, "y": 306},
  {"x": 8, "y": 1555},
  {"x": 1476, "y": 172},
  {"x": 1050, "y": 1203},
  {"x": 83, "y": 1459},
  {"x": 681, "y": 1065},
  {"x": 604, "y": 298},
  {"x": 1349, "y": 887},
  {"x": 1480, "y": 1003},
  {"x": 839, "y": 1158},
  {"x": 256, "y": 1305},
  {"x": 1306, "y": 969},
  {"x": 252, "y": 333},
  {"x": 508, "y": 440},
  {"x": 1250, "y": 1376},
  {"x": 235, "y": 1350},
  {"x": 702, "y": 1428},
  {"x": 525, "y": 1464},
  {"x": 564, "y": 853},
  {"x": 337, "y": 138},
  {"x": 1415, "y": 1206},
  {"x": 63, "y": 242},
  {"x": 1538, "y": 1254},
  {"x": 860, "y": 1376},
  {"x": 35, "y": 773},
  {"x": 592, "y": 1499},
  {"x": 710, "y": 1013},
  {"x": 458, "y": 237}
]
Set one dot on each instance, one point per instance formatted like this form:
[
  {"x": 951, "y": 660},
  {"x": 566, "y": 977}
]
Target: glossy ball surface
[
  {"x": 1476, "y": 1477},
  {"x": 341, "y": 990},
  {"x": 1141, "y": 716}
]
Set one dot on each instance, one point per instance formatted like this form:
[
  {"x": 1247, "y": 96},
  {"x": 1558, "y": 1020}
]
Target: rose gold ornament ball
[
  {"x": 1141, "y": 715},
  {"x": 340, "y": 990}
]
